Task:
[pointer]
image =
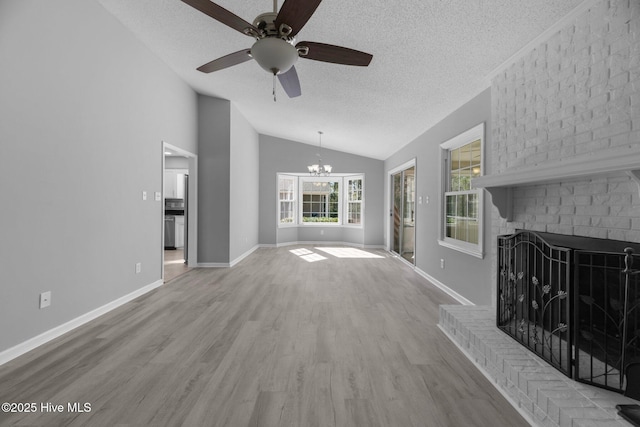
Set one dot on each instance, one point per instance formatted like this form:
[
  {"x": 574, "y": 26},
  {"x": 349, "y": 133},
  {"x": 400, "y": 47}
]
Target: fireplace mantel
[{"x": 579, "y": 167}]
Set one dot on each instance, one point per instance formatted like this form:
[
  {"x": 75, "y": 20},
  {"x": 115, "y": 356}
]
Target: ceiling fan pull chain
[{"x": 274, "y": 87}]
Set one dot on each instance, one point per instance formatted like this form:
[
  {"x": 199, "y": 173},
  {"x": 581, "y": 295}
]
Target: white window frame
[
  {"x": 471, "y": 135},
  {"x": 343, "y": 194},
  {"x": 301, "y": 181},
  {"x": 294, "y": 223},
  {"x": 346, "y": 180}
]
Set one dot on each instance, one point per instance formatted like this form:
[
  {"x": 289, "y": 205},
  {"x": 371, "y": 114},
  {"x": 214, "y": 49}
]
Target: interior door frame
[
  {"x": 192, "y": 214},
  {"x": 389, "y": 223}
]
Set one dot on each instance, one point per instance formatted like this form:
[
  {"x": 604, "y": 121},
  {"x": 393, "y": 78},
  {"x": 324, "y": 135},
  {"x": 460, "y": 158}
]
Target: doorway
[
  {"x": 403, "y": 213},
  {"x": 179, "y": 211}
]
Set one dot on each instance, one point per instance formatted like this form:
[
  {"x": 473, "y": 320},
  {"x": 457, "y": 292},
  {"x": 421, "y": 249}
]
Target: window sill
[
  {"x": 460, "y": 248},
  {"x": 321, "y": 224}
]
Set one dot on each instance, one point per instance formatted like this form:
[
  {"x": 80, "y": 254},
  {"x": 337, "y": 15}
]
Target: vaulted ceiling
[{"x": 429, "y": 58}]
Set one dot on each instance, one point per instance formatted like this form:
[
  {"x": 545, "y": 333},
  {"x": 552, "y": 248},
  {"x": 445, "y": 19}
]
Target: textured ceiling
[{"x": 429, "y": 58}]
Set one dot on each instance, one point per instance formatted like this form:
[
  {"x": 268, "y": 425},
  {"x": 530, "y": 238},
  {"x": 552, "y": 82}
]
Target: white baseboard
[
  {"x": 214, "y": 265},
  {"x": 462, "y": 300},
  {"x": 229, "y": 264},
  {"x": 279, "y": 245},
  {"x": 244, "y": 255},
  {"x": 47, "y": 336}
]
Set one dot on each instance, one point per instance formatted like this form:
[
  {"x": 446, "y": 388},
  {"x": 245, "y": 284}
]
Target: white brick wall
[
  {"x": 606, "y": 207},
  {"x": 577, "y": 93}
]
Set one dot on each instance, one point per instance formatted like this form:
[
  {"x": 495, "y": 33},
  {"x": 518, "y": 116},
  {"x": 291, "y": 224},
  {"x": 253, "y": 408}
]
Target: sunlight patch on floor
[
  {"x": 349, "y": 253},
  {"x": 307, "y": 255},
  {"x": 313, "y": 257},
  {"x": 301, "y": 251}
]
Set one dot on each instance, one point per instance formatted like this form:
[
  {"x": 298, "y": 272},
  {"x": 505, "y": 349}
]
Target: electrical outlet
[
  {"x": 45, "y": 299},
  {"x": 158, "y": 196},
  {"x": 441, "y": 262},
  {"x": 138, "y": 267}
]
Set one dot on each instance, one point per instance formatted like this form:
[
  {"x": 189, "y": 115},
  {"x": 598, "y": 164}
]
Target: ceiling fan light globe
[{"x": 274, "y": 55}]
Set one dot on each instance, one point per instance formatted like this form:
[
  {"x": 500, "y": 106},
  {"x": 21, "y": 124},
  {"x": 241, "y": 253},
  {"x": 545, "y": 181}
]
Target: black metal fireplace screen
[{"x": 575, "y": 302}]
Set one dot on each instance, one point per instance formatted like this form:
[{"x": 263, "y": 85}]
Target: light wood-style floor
[
  {"x": 282, "y": 339},
  {"x": 174, "y": 264}
]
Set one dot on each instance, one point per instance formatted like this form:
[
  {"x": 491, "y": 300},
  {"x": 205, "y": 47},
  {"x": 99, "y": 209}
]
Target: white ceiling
[{"x": 429, "y": 58}]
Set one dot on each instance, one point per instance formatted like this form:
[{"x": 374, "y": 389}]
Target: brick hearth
[{"x": 542, "y": 394}]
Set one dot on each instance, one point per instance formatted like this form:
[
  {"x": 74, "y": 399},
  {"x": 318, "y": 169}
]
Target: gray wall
[
  {"x": 84, "y": 108},
  {"x": 281, "y": 155},
  {"x": 214, "y": 150},
  {"x": 465, "y": 274},
  {"x": 243, "y": 204},
  {"x": 227, "y": 182}
]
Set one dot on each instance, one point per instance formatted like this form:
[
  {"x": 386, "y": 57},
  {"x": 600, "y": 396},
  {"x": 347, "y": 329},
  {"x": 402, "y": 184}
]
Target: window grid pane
[
  {"x": 461, "y": 201},
  {"x": 462, "y": 216},
  {"x": 320, "y": 201},
  {"x": 354, "y": 215},
  {"x": 286, "y": 194},
  {"x": 464, "y": 163},
  {"x": 354, "y": 198}
]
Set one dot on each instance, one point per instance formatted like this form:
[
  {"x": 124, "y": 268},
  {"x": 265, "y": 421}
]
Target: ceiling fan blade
[
  {"x": 290, "y": 82},
  {"x": 296, "y": 13},
  {"x": 335, "y": 54},
  {"x": 226, "y": 61},
  {"x": 221, "y": 14}
]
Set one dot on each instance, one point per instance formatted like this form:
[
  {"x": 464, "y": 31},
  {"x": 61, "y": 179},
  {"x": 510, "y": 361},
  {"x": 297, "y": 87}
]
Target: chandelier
[{"x": 319, "y": 169}]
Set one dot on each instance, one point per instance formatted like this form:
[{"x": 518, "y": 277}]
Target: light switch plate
[{"x": 158, "y": 196}]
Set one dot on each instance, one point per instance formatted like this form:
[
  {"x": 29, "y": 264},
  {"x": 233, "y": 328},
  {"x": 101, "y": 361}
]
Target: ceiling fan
[{"x": 275, "y": 48}]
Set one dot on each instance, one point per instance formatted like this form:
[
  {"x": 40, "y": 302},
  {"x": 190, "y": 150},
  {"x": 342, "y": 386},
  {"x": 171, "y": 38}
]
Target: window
[
  {"x": 320, "y": 200},
  {"x": 287, "y": 199},
  {"x": 354, "y": 200},
  {"x": 310, "y": 200},
  {"x": 462, "y": 204}
]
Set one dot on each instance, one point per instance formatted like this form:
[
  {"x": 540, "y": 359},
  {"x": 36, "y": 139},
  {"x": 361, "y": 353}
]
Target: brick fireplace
[
  {"x": 564, "y": 158},
  {"x": 575, "y": 303},
  {"x": 565, "y": 130},
  {"x": 575, "y": 97}
]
